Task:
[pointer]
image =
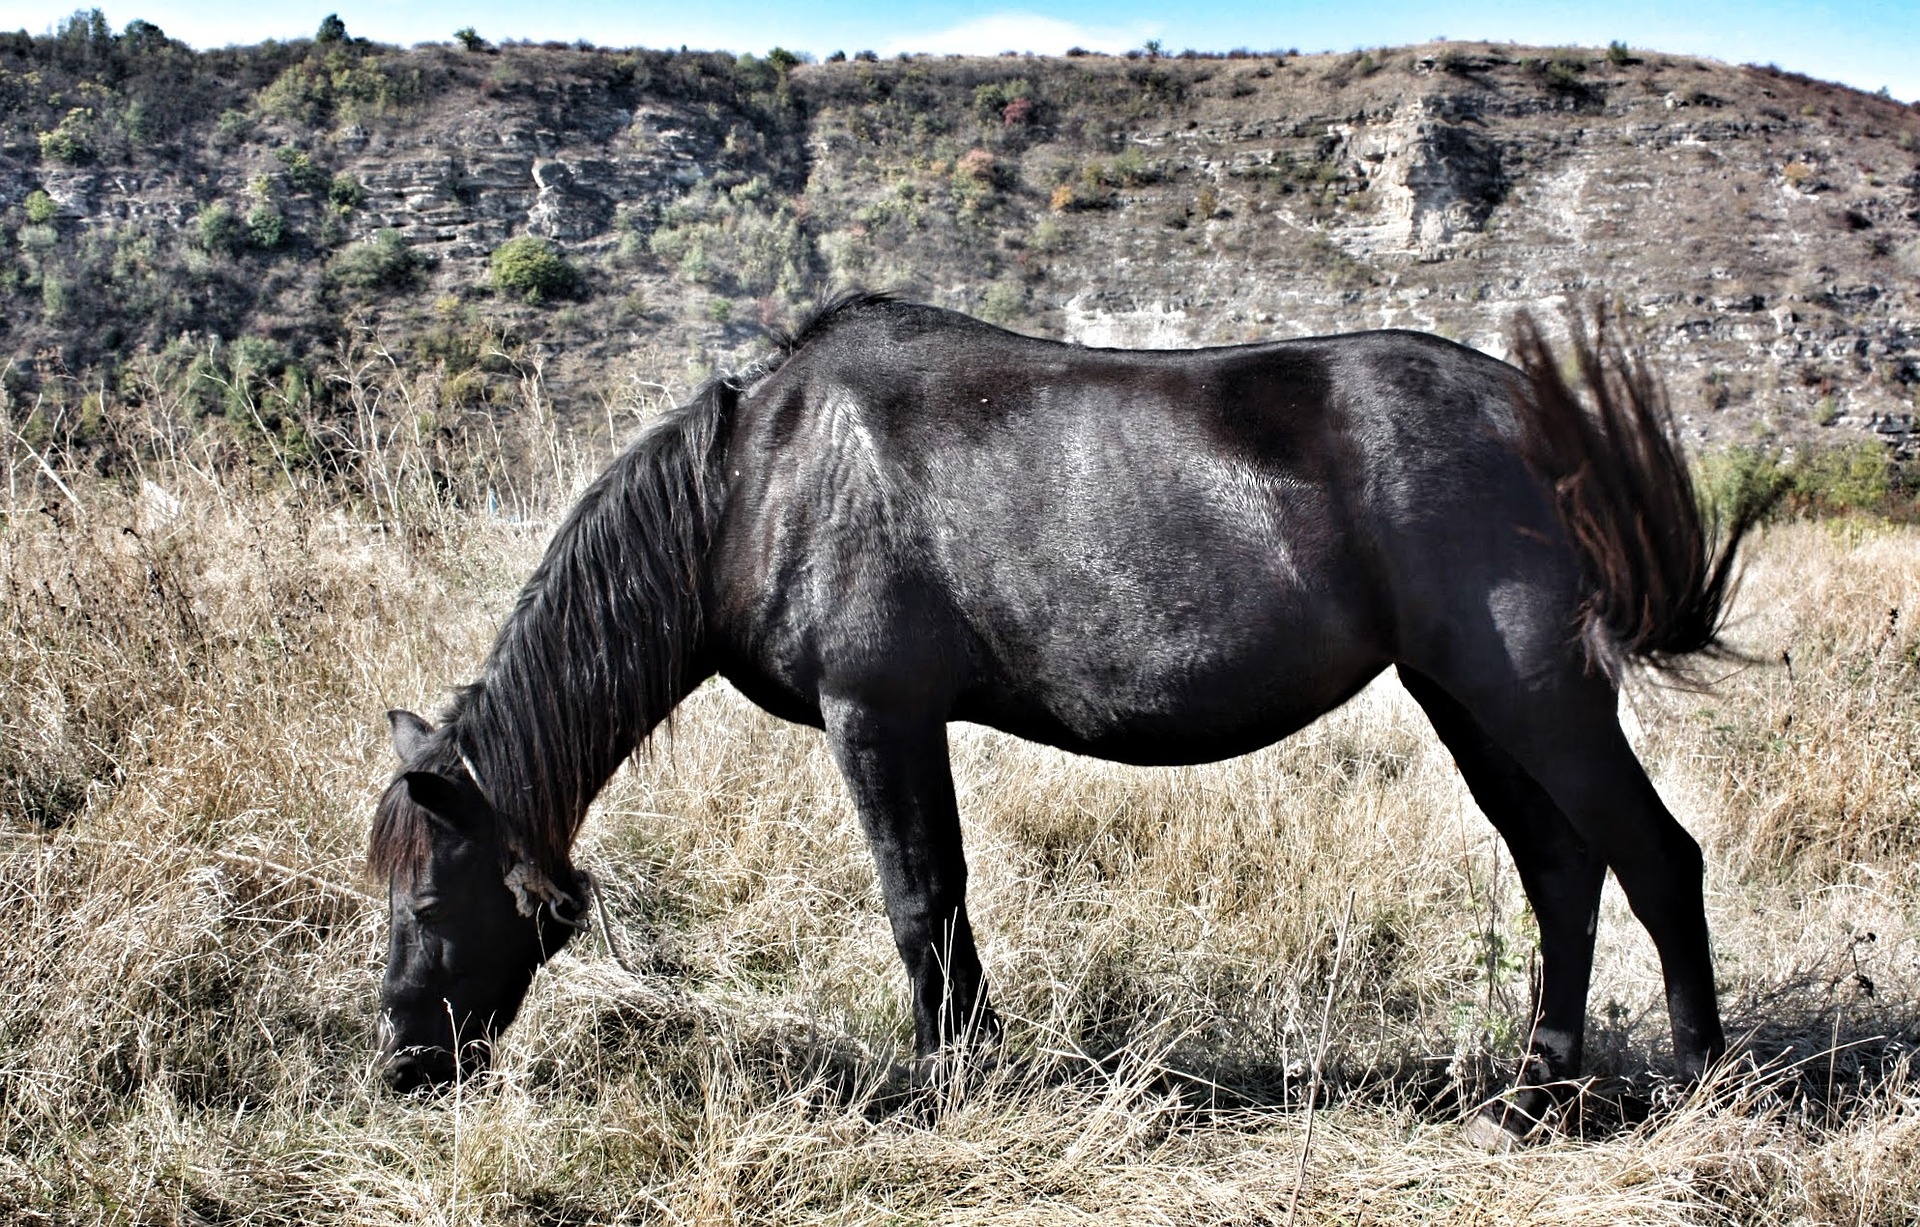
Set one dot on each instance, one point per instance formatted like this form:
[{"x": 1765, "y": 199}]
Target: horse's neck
[{"x": 605, "y": 639}]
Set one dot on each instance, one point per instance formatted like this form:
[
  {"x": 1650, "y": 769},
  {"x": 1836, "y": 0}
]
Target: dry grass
[{"x": 190, "y": 740}]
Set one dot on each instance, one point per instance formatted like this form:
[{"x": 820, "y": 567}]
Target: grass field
[{"x": 193, "y": 667}]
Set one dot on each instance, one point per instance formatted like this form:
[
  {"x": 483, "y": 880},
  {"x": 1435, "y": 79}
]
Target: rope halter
[{"x": 533, "y": 889}]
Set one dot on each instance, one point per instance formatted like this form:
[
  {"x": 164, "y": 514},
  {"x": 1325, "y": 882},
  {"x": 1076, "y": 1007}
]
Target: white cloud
[{"x": 999, "y": 32}]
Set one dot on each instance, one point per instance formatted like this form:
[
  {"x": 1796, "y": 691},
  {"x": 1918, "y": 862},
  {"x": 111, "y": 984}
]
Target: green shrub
[
  {"x": 634, "y": 307},
  {"x": 1129, "y": 169},
  {"x": 1855, "y": 478},
  {"x": 470, "y": 38},
  {"x": 143, "y": 38},
  {"x": 531, "y": 268},
  {"x": 735, "y": 248},
  {"x": 1005, "y": 303},
  {"x": 72, "y": 140},
  {"x": 56, "y": 298},
  {"x": 346, "y": 193},
  {"x": 136, "y": 123},
  {"x": 266, "y": 226},
  {"x": 752, "y": 74},
  {"x": 990, "y": 101},
  {"x": 1824, "y": 481},
  {"x": 302, "y": 95},
  {"x": 40, "y": 207},
  {"x": 343, "y": 87},
  {"x": 219, "y": 228},
  {"x": 632, "y": 245},
  {"x": 259, "y": 389},
  {"x": 1740, "y": 479},
  {"x": 302, "y": 174},
  {"x": 232, "y": 128},
  {"x": 1564, "y": 72},
  {"x": 382, "y": 262}
]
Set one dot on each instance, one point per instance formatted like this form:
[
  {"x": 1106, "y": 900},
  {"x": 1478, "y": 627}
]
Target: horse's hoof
[{"x": 1482, "y": 1132}]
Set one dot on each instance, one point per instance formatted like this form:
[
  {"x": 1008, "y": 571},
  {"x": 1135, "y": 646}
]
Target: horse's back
[{"x": 1152, "y": 555}]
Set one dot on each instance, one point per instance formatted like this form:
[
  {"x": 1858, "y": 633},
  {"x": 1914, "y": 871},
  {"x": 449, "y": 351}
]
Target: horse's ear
[
  {"x": 410, "y": 733},
  {"x": 439, "y": 796}
]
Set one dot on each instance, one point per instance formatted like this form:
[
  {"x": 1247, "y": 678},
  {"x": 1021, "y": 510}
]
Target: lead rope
[
  {"x": 591, "y": 885},
  {"x": 534, "y": 893}
]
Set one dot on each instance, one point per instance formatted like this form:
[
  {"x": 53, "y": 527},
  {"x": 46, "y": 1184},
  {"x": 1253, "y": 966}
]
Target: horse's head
[{"x": 470, "y": 918}]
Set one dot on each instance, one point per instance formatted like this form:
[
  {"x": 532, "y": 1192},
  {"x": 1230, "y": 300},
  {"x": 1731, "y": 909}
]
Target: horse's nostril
[
  {"x": 402, "y": 1073},
  {"x": 412, "y": 1068}
]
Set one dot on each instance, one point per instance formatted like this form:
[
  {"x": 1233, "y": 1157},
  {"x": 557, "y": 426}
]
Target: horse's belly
[{"x": 1174, "y": 714}]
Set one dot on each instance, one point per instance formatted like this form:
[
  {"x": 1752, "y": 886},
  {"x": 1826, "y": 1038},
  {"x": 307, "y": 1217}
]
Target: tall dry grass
[{"x": 191, "y": 680}]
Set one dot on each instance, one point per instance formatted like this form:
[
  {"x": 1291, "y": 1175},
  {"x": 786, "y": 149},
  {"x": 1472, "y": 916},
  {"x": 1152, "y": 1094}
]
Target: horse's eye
[{"x": 426, "y": 911}]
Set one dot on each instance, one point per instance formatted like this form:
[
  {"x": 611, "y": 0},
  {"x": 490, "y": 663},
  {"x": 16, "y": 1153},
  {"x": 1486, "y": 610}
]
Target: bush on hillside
[
  {"x": 533, "y": 269},
  {"x": 346, "y": 193},
  {"x": 219, "y": 228},
  {"x": 302, "y": 174},
  {"x": 71, "y": 141},
  {"x": 383, "y": 262},
  {"x": 266, "y": 226},
  {"x": 1822, "y": 481}
]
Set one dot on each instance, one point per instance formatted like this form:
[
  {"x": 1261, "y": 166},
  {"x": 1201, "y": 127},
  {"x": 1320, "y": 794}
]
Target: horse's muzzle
[{"x": 410, "y": 1069}]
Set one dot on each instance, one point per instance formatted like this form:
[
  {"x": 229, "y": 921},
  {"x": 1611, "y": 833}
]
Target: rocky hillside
[{"x": 238, "y": 223}]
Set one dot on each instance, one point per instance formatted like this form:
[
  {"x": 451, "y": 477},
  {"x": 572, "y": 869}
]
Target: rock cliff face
[
  {"x": 1437, "y": 181},
  {"x": 1760, "y": 228},
  {"x": 1763, "y": 229}
]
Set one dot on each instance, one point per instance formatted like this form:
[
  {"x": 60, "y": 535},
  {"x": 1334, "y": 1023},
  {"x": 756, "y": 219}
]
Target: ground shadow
[{"x": 1816, "y": 1047}]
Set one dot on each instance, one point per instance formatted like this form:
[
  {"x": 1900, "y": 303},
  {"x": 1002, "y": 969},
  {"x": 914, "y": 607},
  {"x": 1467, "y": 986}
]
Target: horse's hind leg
[
  {"x": 1562, "y": 878},
  {"x": 897, "y": 770},
  {"x": 1563, "y": 731}
]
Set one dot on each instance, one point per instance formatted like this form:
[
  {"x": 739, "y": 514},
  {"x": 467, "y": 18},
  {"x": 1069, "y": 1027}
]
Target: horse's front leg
[{"x": 896, "y": 766}]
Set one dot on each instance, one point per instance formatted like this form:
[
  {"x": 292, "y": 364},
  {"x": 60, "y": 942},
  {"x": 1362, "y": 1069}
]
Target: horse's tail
[{"x": 1660, "y": 570}]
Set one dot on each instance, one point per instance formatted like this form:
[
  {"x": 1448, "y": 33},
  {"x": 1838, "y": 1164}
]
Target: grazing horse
[{"x": 908, "y": 517}]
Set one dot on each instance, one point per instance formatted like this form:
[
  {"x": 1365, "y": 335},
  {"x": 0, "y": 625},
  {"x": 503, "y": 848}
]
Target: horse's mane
[
  {"x": 602, "y": 642},
  {"x": 604, "y": 639},
  {"x": 822, "y": 317}
]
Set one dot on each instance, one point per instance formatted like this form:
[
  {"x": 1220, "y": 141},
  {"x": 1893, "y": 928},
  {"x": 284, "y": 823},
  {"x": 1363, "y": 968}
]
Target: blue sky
[{"x": 1864, "y": 43}]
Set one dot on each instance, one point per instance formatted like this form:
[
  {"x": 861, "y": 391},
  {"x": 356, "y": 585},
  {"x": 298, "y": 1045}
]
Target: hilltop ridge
[{"x": 242, "y": 217}]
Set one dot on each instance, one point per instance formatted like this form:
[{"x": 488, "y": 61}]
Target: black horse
[{"x": 909, "y": 517}]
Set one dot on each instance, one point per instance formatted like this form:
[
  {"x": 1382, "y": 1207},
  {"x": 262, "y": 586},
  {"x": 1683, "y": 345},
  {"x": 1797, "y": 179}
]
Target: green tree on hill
[{"x": 533, "y": 269}]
